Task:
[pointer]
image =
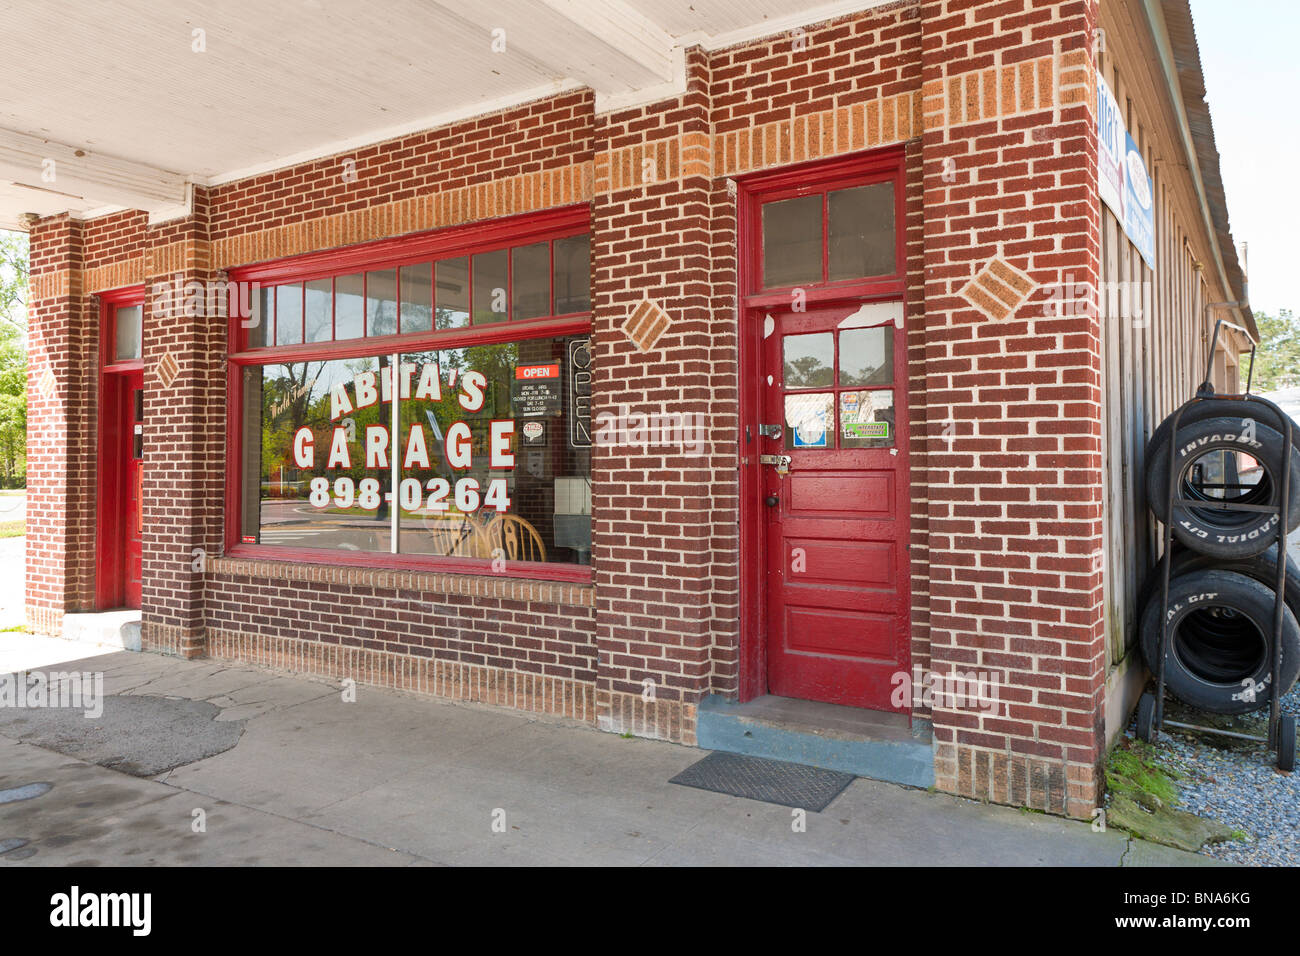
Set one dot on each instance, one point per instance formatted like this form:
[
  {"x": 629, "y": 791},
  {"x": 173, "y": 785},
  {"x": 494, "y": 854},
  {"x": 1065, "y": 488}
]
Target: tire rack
[{"x": 1150, "y": 711}]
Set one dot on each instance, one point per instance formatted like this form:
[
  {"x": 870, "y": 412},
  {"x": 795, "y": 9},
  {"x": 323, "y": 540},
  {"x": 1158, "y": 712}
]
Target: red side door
[
  {"x": 134, "y": 503},
  {"x": 119, "y": 514},
  {"x": 836, "y": 510}
]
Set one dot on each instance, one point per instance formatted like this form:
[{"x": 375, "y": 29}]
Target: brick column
[
  {"x": 1013, "y": 395},
  {"x": 184, "y": 448},
  {"x": 651, "y": 337},
  {"x": 63, "y": 342}
]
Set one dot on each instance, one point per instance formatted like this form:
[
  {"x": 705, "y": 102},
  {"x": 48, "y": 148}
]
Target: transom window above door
[
  {"x": 826, "y": 231},
  {"x": 829, "y": 236},
  {"x": 127, "y": 328}
]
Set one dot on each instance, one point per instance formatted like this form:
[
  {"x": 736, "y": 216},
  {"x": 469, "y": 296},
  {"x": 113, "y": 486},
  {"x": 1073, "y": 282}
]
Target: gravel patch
[{"x": 1238, "y": 784}]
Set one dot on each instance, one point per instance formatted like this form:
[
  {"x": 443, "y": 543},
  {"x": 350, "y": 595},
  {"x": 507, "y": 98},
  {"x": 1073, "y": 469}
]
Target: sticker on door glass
[
  {"x": 867, "y": 418},
  {"x": 808, "y": 421}
]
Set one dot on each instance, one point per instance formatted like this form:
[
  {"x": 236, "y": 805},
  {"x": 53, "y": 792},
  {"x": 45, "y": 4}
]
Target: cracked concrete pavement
[{"x": 299, "y": 776}]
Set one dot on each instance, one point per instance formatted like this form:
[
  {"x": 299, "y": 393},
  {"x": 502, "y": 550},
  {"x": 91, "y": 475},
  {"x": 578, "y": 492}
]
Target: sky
[{"x": 1252, "y": 82}]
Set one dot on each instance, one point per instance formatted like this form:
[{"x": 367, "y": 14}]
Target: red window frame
[
  {"x": 374, "y": 257},
  {"x": 810, "y": 179}
]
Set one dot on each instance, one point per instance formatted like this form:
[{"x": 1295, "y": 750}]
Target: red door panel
[
  {"x": 836, "y": 567},
  {"x": 121, "y": 484}
]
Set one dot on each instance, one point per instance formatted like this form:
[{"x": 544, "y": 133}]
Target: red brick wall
[
  {"x": 653, "y": 508},
  {"x": 922, "y": 437},
  {"x": 547, "y": 135},
  {"x": 1015, "y": 494},
  {"x": 185, "y": 432},
  {"x": 60, "y": 402},
  {"x": 547, "y": 631},
  {"x": 1005, "y": 462},
  {"x": 113, "y": 239}
]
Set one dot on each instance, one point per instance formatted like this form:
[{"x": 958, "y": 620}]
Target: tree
[
  {"x": 13, "y": 359},
  {"x": 1277, "y": 362}
]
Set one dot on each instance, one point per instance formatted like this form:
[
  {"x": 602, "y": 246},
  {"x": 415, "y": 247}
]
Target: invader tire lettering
[{"x": 1217, "y": 461}]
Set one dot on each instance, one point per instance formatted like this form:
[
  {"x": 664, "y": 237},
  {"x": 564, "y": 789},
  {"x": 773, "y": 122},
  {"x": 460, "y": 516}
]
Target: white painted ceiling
[{"x": 115, "y": 94}]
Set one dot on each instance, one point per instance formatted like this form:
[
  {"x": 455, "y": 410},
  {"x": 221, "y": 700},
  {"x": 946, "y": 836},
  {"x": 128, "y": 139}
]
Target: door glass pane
[
  {"x": 809, "y": 420},
  {"x": 572, "y": 274},
  {"x": 531, "y": 285},
  {"x": 417, "y": 298},
  {"x": 288, "y": 314},
  {"x": 320, "y": 307},
  {"x": 452, "y": 281},
  {"x": 867, "y": 356},
  {"x": 349, "y": 307},
  {"x": 860, "y": 238},
  {"x": 490, "y": 286},
  {"x": 127, "y": 320},
  {"x": 381, "y": 302},
  {"x": 792, "y": 242},
  {"x": 867, "y": 419},
  {"x": 809, "y": 360}
]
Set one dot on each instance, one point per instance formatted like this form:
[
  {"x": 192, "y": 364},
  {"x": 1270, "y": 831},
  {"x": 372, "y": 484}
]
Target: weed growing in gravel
[
  {"x": 1142, "y": 791},
  {"x": 1134, "y": 767}
]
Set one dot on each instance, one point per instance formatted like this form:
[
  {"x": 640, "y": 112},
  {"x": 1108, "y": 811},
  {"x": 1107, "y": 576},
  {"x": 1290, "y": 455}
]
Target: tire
[
  {"x": 1220, "y": 647},
  {"x": 1217, "y": 408},
  {"x": 1217, "y": 532},
  {"x": 1261, "y": 567},
  {"x": 1146, "y": 717},
  {"x": 1286, "y": 742}
]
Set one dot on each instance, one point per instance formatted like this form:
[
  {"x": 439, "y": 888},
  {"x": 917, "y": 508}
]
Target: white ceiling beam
[
  {"x": 621, "y": 28},
  {"x": 79, "y": 179},
  {"x": 603, "y": 44}
]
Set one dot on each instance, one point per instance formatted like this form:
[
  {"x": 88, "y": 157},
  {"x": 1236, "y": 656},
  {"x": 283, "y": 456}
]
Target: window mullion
[{"x": 394, "y": 392}]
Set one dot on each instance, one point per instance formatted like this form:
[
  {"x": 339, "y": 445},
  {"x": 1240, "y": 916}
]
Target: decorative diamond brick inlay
[
  {"x": 646, "y": 324},
  {"x": 998, "y": 289},
  {"x": 168, "y": 369},
  {"x": 47, "y": 383}
]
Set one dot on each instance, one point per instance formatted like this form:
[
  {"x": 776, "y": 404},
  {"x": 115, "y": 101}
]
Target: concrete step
[
  {"x": 867, "y": 743},
  {"x": 111, "y": 628}
]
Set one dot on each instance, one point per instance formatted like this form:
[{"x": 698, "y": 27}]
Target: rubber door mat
[{"x": 771, "y": 781}]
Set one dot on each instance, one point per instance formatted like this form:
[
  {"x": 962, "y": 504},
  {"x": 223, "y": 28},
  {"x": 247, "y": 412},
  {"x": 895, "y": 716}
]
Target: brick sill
[{"x": 385, "y": 579}]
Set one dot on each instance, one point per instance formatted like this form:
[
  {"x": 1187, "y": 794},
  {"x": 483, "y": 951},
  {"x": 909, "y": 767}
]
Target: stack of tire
[{"x": 1223, "y": 573}]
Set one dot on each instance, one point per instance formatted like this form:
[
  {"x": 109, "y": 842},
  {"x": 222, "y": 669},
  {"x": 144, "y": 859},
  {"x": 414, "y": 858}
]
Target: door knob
[{"x": 772, "y": 501}]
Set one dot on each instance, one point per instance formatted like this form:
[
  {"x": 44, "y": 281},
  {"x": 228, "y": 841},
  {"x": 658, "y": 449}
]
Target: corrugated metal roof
[{"x": 1187, "y": 63}]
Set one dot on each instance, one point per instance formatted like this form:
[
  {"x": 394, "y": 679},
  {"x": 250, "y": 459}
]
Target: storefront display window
[{"x": 460, "y": 445}]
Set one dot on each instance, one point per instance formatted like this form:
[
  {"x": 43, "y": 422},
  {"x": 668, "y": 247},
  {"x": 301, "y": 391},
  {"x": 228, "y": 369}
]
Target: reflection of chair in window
[
  {"x": 462, "y": 537},
  {"x": 516, "y": 538}
]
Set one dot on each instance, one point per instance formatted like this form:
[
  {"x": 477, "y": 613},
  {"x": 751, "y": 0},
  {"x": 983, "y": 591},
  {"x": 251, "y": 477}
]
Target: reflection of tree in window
[
  {"x": 286, "y": 407},
  {"x": 807, "y": 371}
]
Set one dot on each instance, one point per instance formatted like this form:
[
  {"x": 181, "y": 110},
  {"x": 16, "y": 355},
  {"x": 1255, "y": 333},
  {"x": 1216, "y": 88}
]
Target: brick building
[{"x": 765, "y": 376}]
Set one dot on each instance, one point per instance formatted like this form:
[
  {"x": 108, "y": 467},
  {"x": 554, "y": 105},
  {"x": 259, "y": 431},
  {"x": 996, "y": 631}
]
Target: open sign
[{"x": 530, "y": 372}]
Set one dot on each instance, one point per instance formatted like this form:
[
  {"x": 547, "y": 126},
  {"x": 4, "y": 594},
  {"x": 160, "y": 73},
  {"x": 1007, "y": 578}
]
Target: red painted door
[
  {"x": 119, "y": 513},
  {"x": 836, "y": 567},
  {"x": 134, "y": 504}
]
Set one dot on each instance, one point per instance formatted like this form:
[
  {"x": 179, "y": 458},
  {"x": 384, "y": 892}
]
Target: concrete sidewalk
[{"x": 284, "y": 771}]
